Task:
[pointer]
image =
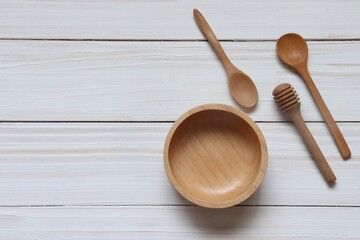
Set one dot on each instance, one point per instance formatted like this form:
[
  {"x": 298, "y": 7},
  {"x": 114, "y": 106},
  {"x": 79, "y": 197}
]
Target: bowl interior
[{"x": 214, "y": 156}]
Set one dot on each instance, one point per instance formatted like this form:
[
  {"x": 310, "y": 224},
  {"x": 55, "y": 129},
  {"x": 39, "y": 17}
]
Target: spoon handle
[
  {"x": 333, "y": 127},
  {"x": 213, "y": 41},
  {"x": 313, "y": 147}
]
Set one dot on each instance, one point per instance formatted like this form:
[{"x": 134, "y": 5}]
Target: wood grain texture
[
  {"x": 166, "y": 19},
  {"x": 183, "y": 222},
  {"x": 122, "y": 164},
  {"x": 84, "y": 169},
  {"x": 156, "y": 81},
  {"x": 215, "y": 156}
]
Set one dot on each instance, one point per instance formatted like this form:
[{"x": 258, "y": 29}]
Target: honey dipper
[
  {"x": 293, "y": 51},
  {"x": 288, "y": 101}
]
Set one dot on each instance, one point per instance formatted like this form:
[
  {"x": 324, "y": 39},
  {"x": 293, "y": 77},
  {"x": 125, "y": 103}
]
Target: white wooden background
[{"x": 89, "y": 89}]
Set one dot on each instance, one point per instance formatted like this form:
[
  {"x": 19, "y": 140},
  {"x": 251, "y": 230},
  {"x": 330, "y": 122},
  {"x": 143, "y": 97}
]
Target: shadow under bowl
[{"x": 215, "y": 156}]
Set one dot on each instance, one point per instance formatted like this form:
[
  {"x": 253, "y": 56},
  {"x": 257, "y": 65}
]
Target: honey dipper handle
[
  {"x": 333, "y": 127},
  {"x": 213, "y": 41},
  {"x": 314, "y": 149}
]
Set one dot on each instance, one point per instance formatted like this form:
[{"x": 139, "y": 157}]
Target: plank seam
[
  {"x": 173, "y": 40},
  {"x": 168, "y": 205},
  {"x": 104, "y": 122}
]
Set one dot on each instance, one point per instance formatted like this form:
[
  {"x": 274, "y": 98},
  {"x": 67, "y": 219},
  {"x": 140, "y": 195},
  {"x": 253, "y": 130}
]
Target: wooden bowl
[{"x": 215, "y": 156}]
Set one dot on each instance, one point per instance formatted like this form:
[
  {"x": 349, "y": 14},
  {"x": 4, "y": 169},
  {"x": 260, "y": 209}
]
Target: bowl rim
[{"x": 263, "y": 161}]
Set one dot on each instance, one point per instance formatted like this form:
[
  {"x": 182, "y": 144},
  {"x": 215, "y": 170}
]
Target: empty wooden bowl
[{"x": 215, "y": 156}]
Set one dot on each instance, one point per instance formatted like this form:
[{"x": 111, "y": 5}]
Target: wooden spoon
[
  {"x": 293, "y": 51},
  {"x": 242, "y": 88},
  {"x": 287, "y": 100}
]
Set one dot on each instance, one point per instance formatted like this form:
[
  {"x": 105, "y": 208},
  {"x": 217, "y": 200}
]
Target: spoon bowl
[
  {"x": 243, "y": 89},
  {"x": 292, "y": 49}
]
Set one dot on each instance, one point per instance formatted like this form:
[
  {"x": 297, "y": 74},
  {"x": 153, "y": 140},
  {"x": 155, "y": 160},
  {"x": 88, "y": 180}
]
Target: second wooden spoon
[
  {"x": 242, "y": 88},
  {"x": 293, "y": 51}
]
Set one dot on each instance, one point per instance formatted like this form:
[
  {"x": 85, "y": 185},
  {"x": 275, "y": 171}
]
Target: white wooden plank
[
  {"x": 122, "y": 164},
  {"x": 113, "y": 19},
  {"x": 179, "y": 223},
  {"x": 146, "y": 81}
]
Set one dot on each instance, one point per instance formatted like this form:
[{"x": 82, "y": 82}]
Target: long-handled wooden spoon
[
  {"x": 287, "y": 100},
  {"x": 241, "y": 86},
  {"x": 292, "y": 50}
]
